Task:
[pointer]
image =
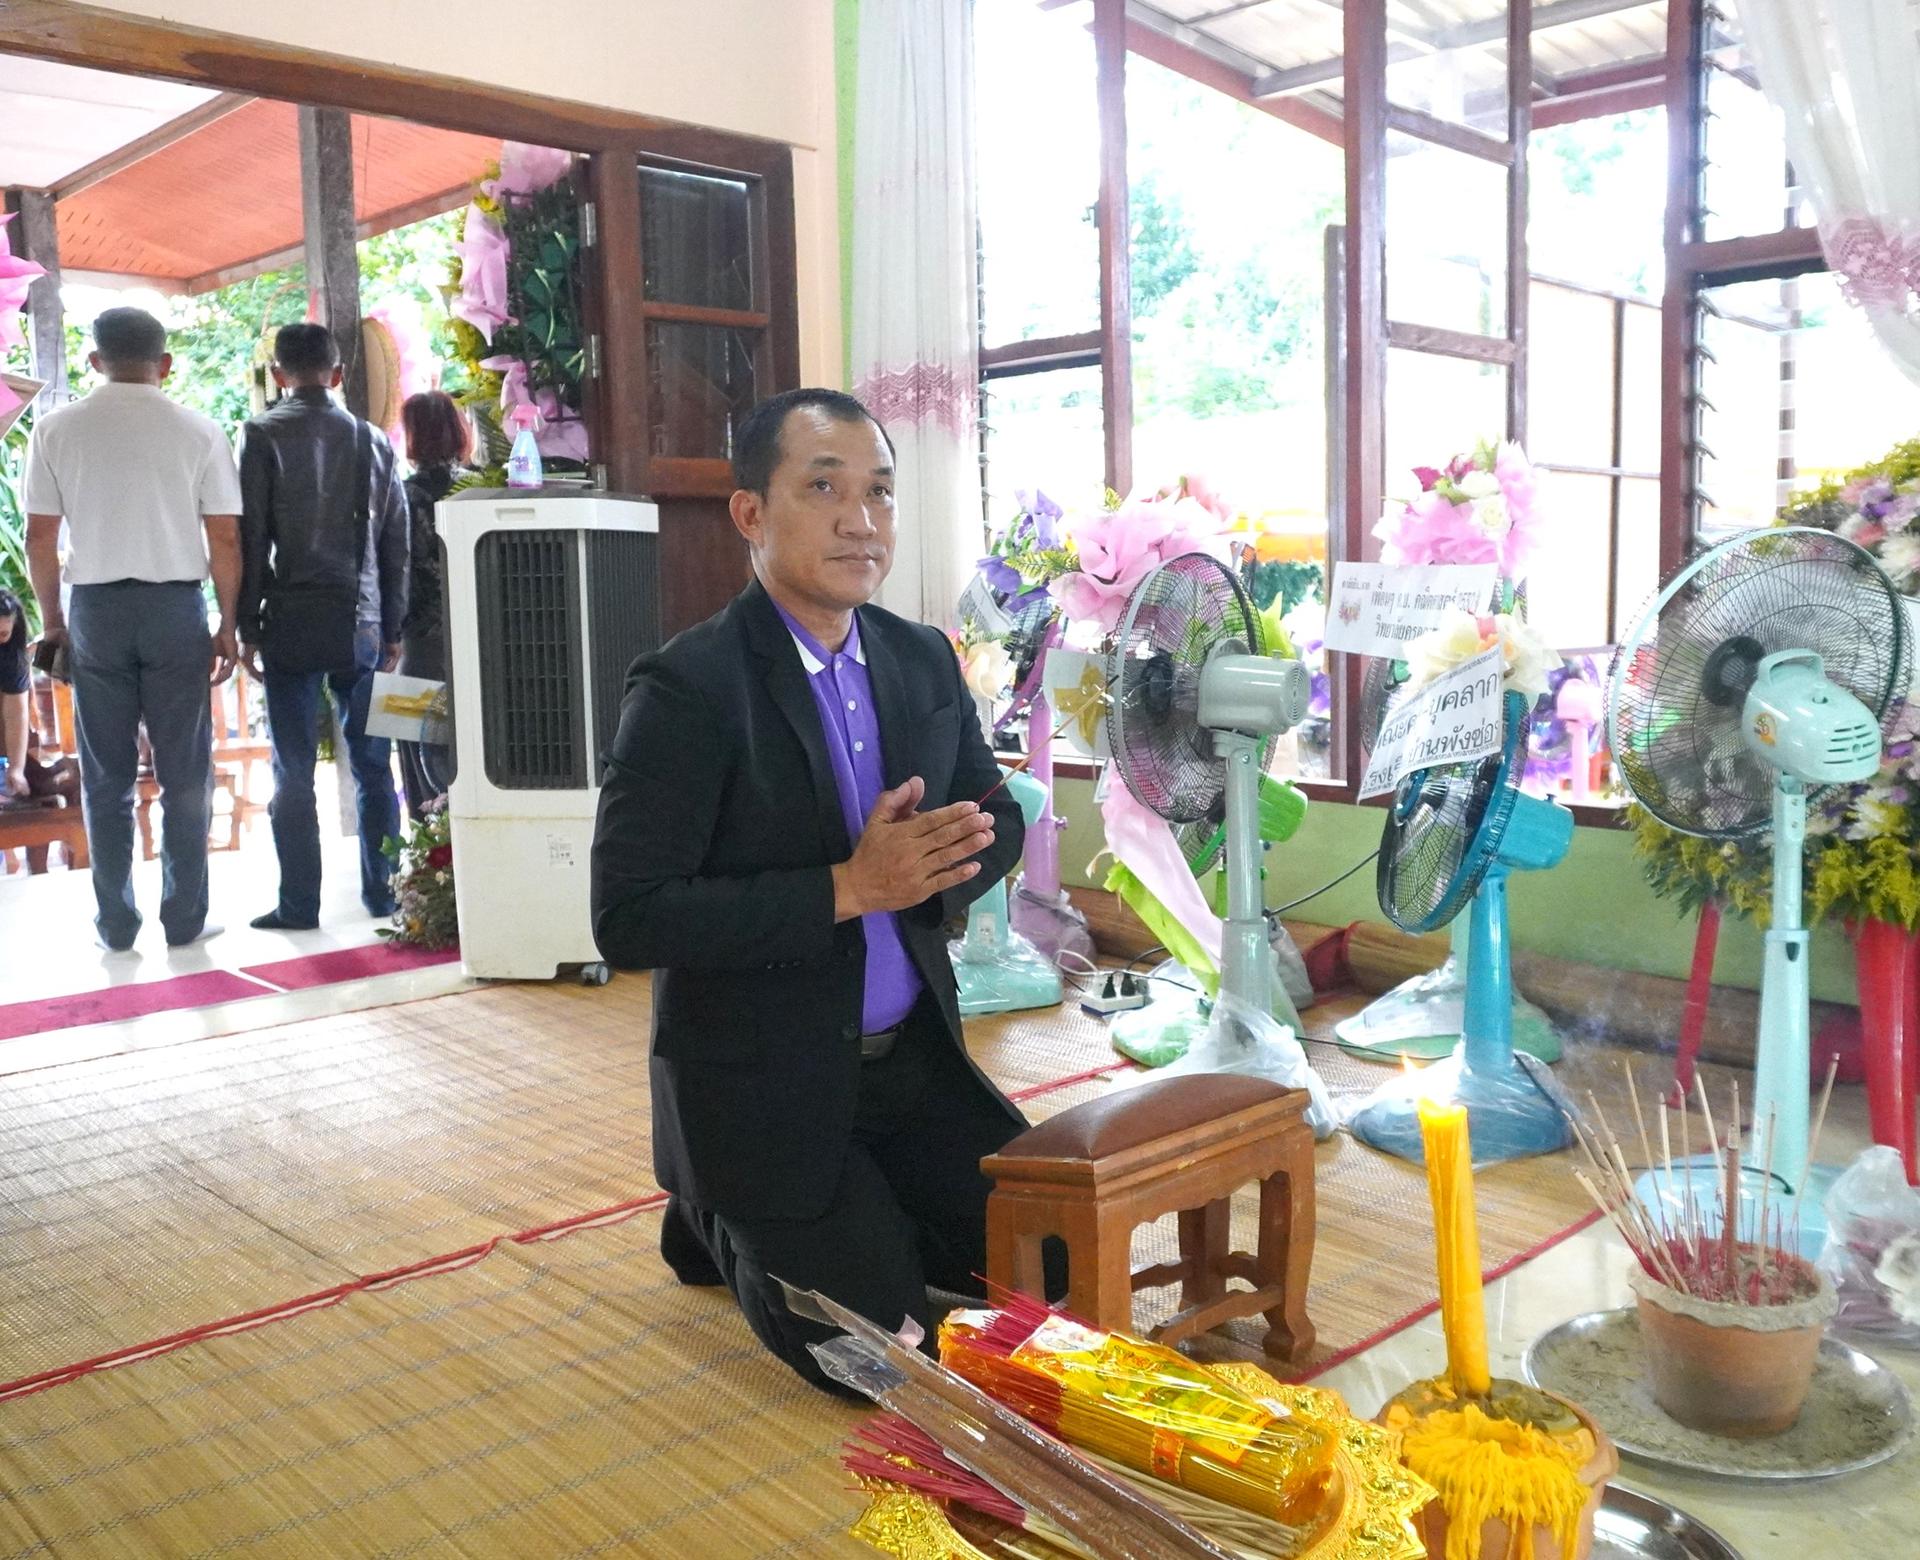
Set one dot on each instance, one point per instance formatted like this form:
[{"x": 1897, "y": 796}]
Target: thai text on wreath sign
[
  {"x": 1381, "y": 608},
  {"x": 1458, "y": 717}
]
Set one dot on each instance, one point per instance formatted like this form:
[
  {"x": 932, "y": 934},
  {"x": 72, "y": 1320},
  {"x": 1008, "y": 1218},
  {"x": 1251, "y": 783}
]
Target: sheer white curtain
[
  {"x": 1846, "y": 74},
  {"x": 915, "y": 352}
]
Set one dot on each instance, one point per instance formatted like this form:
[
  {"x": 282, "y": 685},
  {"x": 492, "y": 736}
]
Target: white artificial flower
[
  {"x": 988, "y": 669},
  {"x": 1490, "y": 517},
  {"x": 1874, "y": 816},
  {"x": 1479, "y": 484},
  {"x": 1900, "y": 557},
  {"x": 1440, "y": 650},
  {"x": 1526, "y": 654}
]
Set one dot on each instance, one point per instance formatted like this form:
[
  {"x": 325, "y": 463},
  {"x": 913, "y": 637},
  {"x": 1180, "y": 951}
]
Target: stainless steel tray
[
  {"x": 1632, "y": 1526},
  {"x": 1595, "y": 1360}
]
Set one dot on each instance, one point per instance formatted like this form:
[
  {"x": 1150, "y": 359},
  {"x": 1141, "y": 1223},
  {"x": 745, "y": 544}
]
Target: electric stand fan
[
  {"x": 1040, "y": 910},
  {"x": 1425, "y": 1017},
  {"x": 1759, "y": 676},
  {"x": 997, "y": 969},
  {"x": 1193, "y": 710},
  {"x": 1452, "y": 835}
]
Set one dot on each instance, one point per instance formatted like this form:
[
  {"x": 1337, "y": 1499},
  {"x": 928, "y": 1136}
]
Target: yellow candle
[{"x": 1463, "y": 1315}]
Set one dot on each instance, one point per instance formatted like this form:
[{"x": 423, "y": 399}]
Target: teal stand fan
[
  {"x": 1452, "y": 835},
  {"x": 998, "y": 970},
  {"x": 1760, "y": 676}
]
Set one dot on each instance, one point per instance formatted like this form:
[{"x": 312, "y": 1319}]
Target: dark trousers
[
  {"x": 426, "y": 768},
  {"x": 141, "y": 652},
  {"x": 293, "y": 709},
  {"x": 910, "y": 1209}
]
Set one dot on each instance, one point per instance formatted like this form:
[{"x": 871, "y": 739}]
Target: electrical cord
[{"x": 1293, "y": 903}]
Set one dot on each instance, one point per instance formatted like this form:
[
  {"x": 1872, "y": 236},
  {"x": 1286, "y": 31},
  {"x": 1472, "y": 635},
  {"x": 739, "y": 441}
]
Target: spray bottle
[{"x": 523, "y": 464}]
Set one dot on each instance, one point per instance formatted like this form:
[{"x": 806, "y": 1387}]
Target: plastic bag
[
  {"x": 1294, "y": 979},
  {"x": 1872, "y": 1253},
  {"x": 1238, "y": 1039}
]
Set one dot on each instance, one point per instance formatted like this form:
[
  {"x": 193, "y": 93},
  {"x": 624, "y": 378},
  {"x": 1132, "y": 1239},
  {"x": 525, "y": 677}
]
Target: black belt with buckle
[{"x": 879, "y": 1044}]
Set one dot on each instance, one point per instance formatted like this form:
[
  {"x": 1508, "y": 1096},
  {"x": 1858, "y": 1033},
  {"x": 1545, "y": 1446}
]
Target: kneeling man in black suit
[{"x": 798, "y": 798}]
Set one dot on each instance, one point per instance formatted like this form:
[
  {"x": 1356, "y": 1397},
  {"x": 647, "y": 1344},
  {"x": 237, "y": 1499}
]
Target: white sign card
[
  {"x": 1458, "y": 717},
  {"x": 1381, "y": 608},
  {"x": 978, "y": 607},
  {"x": 1075, "y": 683},
  {"x": 405, "y": 708}
]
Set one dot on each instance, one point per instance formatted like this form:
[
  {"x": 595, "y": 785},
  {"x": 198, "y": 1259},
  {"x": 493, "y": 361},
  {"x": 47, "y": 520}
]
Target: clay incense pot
[{"x": 1735, "y": 1370}]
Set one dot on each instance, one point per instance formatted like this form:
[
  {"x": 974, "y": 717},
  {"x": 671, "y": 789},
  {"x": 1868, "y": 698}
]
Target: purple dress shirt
[{"x": 843, "y": 694}]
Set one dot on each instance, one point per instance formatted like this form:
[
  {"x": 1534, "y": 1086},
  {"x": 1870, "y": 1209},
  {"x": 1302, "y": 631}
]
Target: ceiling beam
[
  {"x": 1199, "y": 62},
  {"x": 294, "y": 254},
  {"x": 158, "y": 139},
  {"x": 1556, "y": 13}
]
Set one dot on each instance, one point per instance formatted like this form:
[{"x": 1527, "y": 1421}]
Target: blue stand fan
[
  {"x": 997, "y": 969},
  {"x": 1452, "y": 834}
]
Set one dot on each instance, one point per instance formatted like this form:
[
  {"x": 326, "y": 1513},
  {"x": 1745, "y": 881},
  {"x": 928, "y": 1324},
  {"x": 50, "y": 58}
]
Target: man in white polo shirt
[{"x": 151, "y": 498}]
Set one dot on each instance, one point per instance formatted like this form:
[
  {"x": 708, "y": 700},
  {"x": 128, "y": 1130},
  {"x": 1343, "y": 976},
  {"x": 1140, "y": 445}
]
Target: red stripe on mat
[
  {"x": 325, "y": 969},
  {"x": 1539, "y": 1248},
  {"x": 453, "y": 1261},
  {"x": 130, "y": 1001}
]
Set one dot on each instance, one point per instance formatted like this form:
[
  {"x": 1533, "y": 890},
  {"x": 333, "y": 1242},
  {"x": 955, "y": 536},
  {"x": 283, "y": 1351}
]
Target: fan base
[
  {"x": 1424, "y": 1017},
  {"x": 1656, "y": 1188},
  {"x": 1014, "y": 978},
  {"x": 1163, "y": 1031},
  {"x": 1510, "y": 1115}
]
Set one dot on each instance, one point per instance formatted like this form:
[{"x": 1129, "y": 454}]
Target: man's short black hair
[
  {"x": 756, "y": 443},
  {"x": 305, "y": 348},
  {"x": 129, "y": 336}
]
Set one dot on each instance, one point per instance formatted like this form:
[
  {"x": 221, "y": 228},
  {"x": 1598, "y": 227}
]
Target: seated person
[{"x": 797, "y": 800}]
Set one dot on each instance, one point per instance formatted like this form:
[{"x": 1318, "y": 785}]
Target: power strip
[{"x": 1117, "y": 994}]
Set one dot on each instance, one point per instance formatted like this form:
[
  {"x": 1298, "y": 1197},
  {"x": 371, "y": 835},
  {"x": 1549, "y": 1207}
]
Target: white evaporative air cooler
[{"x": 548, "y": 600}]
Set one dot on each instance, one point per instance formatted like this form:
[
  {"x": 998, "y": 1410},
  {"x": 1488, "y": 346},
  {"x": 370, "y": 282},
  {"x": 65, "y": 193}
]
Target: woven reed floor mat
[
  {"x": 146, "y": 1192},
  {"x": 566, "y": 1400}
]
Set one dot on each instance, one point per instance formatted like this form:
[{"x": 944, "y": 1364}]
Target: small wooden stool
[{"x": 1182, "y": 1145}]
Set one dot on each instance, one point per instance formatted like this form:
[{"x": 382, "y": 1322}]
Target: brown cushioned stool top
[{"x": 1137, "y": 1115}]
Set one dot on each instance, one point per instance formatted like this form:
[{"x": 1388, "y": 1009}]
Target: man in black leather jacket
[{"x": 300, "y": 466}]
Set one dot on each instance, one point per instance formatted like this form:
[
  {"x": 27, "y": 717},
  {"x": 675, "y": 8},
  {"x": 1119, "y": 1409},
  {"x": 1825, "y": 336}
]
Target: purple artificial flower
[
  {"x": 1040, "y": 515},
  {"x": 1319, "y": 696},
  {"x": 1001, "y": 575}
]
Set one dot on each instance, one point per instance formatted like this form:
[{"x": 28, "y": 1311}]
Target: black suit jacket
[{"x": 719, "y": 826}]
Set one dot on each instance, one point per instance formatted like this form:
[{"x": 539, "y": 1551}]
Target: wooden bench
[{"x": 36, "y": 826}]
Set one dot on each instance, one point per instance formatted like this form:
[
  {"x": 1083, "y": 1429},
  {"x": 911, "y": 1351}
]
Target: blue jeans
[
  {"x": 293, "y": 707},
  {"x": 141, "y": 652}
]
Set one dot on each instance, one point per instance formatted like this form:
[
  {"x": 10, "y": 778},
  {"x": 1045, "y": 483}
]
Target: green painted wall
[
  {"x": 846, "y": 39},
  {"x": 1593, "y": 907}
]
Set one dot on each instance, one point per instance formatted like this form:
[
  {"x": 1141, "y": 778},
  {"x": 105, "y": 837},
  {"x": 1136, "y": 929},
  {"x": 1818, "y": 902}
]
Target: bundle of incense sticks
[{"x": 1700, "y": 1238}]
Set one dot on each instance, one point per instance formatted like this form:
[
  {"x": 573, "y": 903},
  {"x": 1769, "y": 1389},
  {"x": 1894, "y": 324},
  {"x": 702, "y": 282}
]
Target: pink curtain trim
[
  {"x": 921, "y": 393},
  {"x": 1877, "y": 267}
]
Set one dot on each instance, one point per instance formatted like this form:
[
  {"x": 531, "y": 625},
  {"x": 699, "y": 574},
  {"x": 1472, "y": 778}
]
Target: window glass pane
[
  {"x": 1038, "y": 172},
  {"x": 1443, "y": 268},
  {"x": 1462, "y": 85},
  {"x": 696, "y": 239},
  {"x": 1744, "y": 142},
  {"x": 700, "y": 383},
  {"x": 1640, "y": 389},
  {"x": 1570, "y": 384},
  {"x": 1044, "y": 431},
  {"x": 1437, "y": 407},
  {"x": 1596, "y": 201},
  {"x": 1229, "y": 375},
  {"x": 1797, "y": 389},
  {"x": 1636, "y": 567},
  {"x": 1567, "y": 583}
]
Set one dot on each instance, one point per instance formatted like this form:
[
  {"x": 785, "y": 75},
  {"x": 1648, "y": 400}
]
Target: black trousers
[{"x": 910, "y": 1210}]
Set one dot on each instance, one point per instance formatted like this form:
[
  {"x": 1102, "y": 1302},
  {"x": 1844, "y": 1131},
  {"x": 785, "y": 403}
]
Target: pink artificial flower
[
  {"x": 1867, "y": 533},
  {"x": 1208, "y": 497},
  {"x": 1119, "y": 548},
  {"x": 1432, "y": 529},
  {"x": 16, "y": 277},
  {"x": 483, "y": 275},
  {"x": 1429, "y": 478},
  {"x": 1514, "y": 473},
  {"x": 559, "y": 432},
  {"x": 526, "y": 169}
]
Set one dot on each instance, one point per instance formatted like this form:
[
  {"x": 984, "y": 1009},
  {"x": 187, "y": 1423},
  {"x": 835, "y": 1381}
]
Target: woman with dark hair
[
  {"x": 439, "y": 442},
  {"x": 16, "y": 690}
]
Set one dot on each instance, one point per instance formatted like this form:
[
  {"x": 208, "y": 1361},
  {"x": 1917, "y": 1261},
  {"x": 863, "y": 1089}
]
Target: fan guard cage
[
  {"x": 1444, "y": 828},
  {"x": 1186, "y": 611},
  {"x": 1677, "y": 687}
]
